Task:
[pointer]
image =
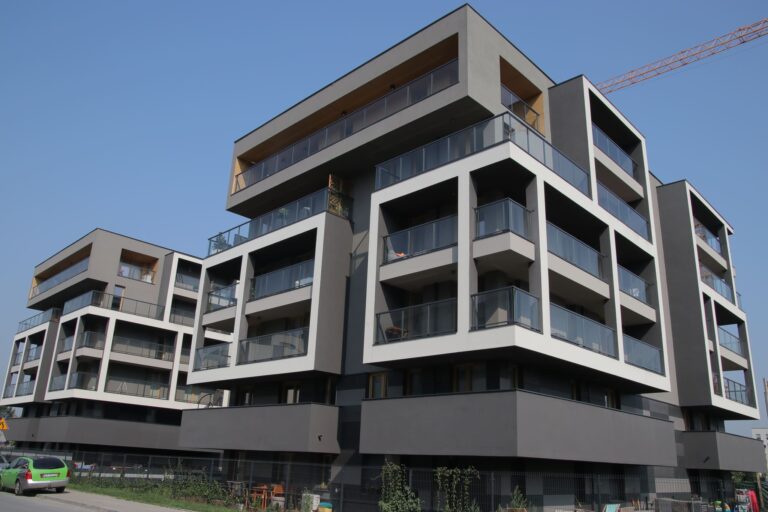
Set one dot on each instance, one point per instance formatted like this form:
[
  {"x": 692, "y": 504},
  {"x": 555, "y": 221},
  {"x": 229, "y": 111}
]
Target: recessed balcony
[
  {"x": 56, "y": 279},
  {"x": 278, "y": 345},
  {"x": 414, "y": 322},
  {"x": 643, "y": 355},
  {"x": 116, "y": 303},
  {"x": 569, "y": 248},
  {"x": 582, "y": 331},
  {"x": 282, "y": 280},
  {"x": 620, "y": 209},
  {"x": 505, "y": 306},
  {"x": 422, "y": 239},
  {"x": 83, "y": 380},
  {"x": 731, "y": 342},
  {"x": 614, "y": 152},
  {"x": 213, "y": 356},
  {"x": 137, "y": 387},
  {"x": 51, "y": 315}
]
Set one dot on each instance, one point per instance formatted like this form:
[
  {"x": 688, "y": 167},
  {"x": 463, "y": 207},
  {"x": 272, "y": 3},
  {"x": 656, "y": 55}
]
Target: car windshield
[{"x": 48, "y": 463}]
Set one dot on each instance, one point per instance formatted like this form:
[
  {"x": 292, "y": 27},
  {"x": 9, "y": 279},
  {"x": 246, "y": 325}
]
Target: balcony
[
  {"x": 641, "y": 354},
  {"x": 91, "y": 339},
  {"x": 324, "y": 200},
  {"x": 18, "y": 357},
  {"x": 617, "y": 207},
  {"x": 422, "y": 239},
  {"x": 34, "y": 353},
  {"x": 735, "y": 391},
  {"x": 520, "y": 424},
  {"x": 731, "y": 342},
  {"x": 476, "y": 138},
  {"x": 137, "y": 387},
  {"x": 184, "y": 359},
  {"x": 58, "y": 383},
  {"x": 65, "y": 275},
  {"x": 107, "y": 301},
  {"x": 26, "y": 388},
  {"x": 413, "y": 322},
  {"x": 520, "y": 108},
  {"x": 505, "y": 306},
  {"x": 66, "y": 344},
  {"x": 582, "y": 331},
  {"x": 182, "y": 317},
  {"x": 719, "y": 451},
  {"x": 297, "y": 428},
  {"x": 503, "y": 216},
  {"x": 213, "y": 356},
  {"x": 397, "y": 100},
  {"x": 142, "y": 348},
  {"x": 717, "y": 386},
  {"x": 278, "y": 345},
  {"x": 717, "y": 283},
  {"x": 221, "y": 298},
  {"x": 573, "y": 250},
  {"x": 83, "y": 380},
  {"x": 614, "y": 152},
  {"x": 187, "y": 282},
  {"x": 634, "y": 285},
  {"x": 709, "y": 238},
  {"x": 282, "y": 280},
  {"x": 136, "y": 272},
  {"x": 51, "y": 315},
  {"x": 9, "y": 390},
  {"x": 197, "y": 394}
]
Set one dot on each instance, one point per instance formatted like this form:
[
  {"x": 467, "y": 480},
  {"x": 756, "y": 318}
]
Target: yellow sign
[{"x": 3, "y": 424}]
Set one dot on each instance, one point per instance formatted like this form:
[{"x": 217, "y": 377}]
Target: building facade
[{"x": 447, "y": 258}]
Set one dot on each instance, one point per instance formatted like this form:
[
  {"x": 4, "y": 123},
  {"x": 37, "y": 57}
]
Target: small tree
[
  {"x": 396, "y": 494},
  {"x": 454, "y": 489}
]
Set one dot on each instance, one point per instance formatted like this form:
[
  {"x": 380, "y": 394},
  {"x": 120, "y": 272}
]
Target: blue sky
[{"x": 122, "y": 115}]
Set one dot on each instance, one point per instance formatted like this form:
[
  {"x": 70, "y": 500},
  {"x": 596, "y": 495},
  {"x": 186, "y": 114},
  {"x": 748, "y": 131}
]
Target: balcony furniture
[{"x": 395, "y": 332}]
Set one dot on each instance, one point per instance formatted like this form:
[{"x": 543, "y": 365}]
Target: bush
[{"x": 396, "y": 495}]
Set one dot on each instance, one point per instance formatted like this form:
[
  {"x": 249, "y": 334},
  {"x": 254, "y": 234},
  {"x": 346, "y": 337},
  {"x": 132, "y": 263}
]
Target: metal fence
[{"x": 357, "y": 488}]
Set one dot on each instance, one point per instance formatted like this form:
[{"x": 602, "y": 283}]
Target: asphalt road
[{"x": 11, "y": 503}]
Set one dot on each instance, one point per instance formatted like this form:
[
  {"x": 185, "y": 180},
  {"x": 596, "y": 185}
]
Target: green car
[{"x": 34, "y": 473}]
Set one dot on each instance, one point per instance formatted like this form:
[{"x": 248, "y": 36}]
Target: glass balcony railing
[
  {"x": 413, "y": 322},
  {"x": 51, "y": 315},
  {"x": 136, "y": 272},
  {"x": 709, "y": 237},
  {"x": 182, "y": 317},
  {"x": 717, "y": 385},
  {"x": 213, "y": 356},
  {"x": 397, "y": 100},
  {"x": 187, "y": 282},
  {"x": 142, "y": 348},
  {"x": 278, "y": 345},
  {"x": 735, "y": 391},
  {"x": 10, "y": 389},
  {"x": 26, "y": 388},
  {"x": 617, "y": 207},
  {"x": 614, "y": 152},
  {"x": 476, "y": 138},
  {"x": 137, "y": 387},
  {"x": 91, "y": 339},
  {"x": 417, "y": 240},
  {"x": 505, "y": 306},
  {"x": 520, "y": 108},
  {"x": 282, "y": 280},
  {"x": 324, "y": 200},
  {"x": 66, "y": 344},
  {"x": 221, "y": 298},
  {"x": 184, "y": 355},
  {"x": 65, "y": 275},
  {"x": 582, "y": 331},
  {"x": 501, "y": 216},
  {"x": 107, "y": 301},
  {"x": 18, "y": 357},
  {"x": 58, "y": 383},
  {"x": 731, "y": 341},
  {"x": 573, "y": 250},
  {"x": 642, "y": 354},
  {"x": 199, "y": 394},
  {"x": 717, "y": 283},
  {"x": 84, "y": 380},
  {"x": 34, "y": 353},
  {"x": 634, "y": 285}
]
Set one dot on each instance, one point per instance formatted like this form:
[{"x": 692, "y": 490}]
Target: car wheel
[
  {"x": 17, "y": 490},
  {"x": 60, "y": 489}
]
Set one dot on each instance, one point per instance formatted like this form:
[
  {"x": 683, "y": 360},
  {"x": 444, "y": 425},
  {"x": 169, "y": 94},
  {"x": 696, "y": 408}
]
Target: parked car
[
  {"x": 35, "y": 473},
  {"x": 4, "y": 462}
]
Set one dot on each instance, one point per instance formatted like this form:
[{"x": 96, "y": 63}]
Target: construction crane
[{"x": 720, "y": 44}]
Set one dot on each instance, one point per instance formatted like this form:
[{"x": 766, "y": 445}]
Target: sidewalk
[{"x": 101, "y": 503}]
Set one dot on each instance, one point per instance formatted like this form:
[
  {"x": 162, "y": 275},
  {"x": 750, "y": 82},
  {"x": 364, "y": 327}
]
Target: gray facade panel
[
  {"x": 310, "y": 428},
  {"x": 721, "y": 451}
]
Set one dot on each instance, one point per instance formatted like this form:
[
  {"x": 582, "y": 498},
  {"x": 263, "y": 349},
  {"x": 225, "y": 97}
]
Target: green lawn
[{"x": 152, "y": 497}]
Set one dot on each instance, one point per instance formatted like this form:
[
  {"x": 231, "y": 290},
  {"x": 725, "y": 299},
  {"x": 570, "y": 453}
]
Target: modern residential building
[
  {"x": 105, "y": 362},
  {"x": 447, "y": 258}
]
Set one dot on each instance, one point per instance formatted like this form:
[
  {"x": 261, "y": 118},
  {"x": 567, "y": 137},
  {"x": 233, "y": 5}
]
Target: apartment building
[
  {"x": 448, "y": 258},
  {"x": 104, "y": 364}
]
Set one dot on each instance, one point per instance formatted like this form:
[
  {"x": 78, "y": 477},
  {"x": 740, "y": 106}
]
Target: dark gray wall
[{"x": 721, "y": 451}]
